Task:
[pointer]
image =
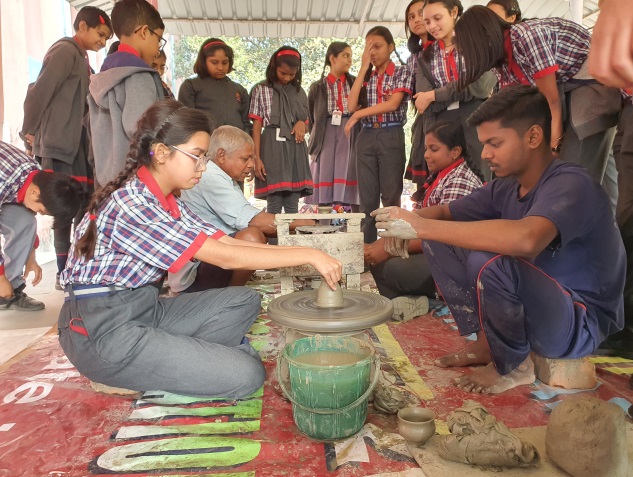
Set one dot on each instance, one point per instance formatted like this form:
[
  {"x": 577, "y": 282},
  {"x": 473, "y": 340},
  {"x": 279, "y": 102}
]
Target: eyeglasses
[
  {"x": 201, "y": 161},
  {"x": 161, "y": 41}
]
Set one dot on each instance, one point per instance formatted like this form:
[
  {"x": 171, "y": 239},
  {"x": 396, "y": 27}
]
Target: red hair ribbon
[
  {"x": 288, "y": 52},
  {"x": 101, "y": 20},
  {"x": 214, "y": 43},
  {"x": 92, "y": 217}
]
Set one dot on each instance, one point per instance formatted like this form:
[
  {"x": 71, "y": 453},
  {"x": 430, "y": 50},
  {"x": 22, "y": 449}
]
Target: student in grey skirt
[
  {"x": 332, "y": 159},
  {"x": 280, "y": 106}
]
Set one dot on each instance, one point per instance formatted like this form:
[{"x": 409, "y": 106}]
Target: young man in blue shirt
[{"x": 533, "y": 261}]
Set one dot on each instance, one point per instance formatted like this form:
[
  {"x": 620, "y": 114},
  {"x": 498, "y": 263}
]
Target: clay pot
[
  {"x": 328, "y": 298},
  {"x": 324, "y": 209},
  {"x": 416, "y": 424}
]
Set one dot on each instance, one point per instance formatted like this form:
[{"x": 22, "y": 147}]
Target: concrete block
[{"x": 565, "y": 373}]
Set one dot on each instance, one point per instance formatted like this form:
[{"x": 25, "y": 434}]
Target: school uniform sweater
[
  {"x": 224, "y": 101},
  {"x": 55, "y": 104},
  {"x": 119, "y": 95}
]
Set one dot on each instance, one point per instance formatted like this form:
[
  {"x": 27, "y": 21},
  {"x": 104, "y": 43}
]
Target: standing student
[
  {"x": 408, "y": 282},
  {"x": 113, "y": 326},
  {"x": 55, "y": 108},
  {"x": 550, "y": 53},
  {"x": 280, "y": 106},
  {"x": 24, "y": 191},
  {"x": 437, "y": 95},
  {"x": 418, "y": 39},
  {"x": 223, "y": 100},
  {"x": 160, "y": 65},
  {"x": 378, "y": 99},
  {"x": 621, "y": 344},
  {"x": 332, "y": 157},
  {"x": 531, "y": 262},
  {"x": 508, "y": 10},
  {"x": 126, "y": 85}
]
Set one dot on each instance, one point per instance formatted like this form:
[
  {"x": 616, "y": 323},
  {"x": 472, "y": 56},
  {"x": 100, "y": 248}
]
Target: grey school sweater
[
  {"x": 55, "y": 104},
  {"x": 118, "y": 97}
]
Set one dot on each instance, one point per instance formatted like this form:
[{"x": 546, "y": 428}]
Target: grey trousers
[
  {"x": 380, "y": 166},
  {"x": 623, "y": 151},
  {"x": 190, "y": 344},
  {"x": 404, "y": 276},
  {"x": 18, "y": 227},
  {"x": 591, "y": 152}
]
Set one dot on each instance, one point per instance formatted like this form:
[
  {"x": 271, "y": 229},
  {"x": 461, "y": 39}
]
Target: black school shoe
[{"x": 20, "y": 301}]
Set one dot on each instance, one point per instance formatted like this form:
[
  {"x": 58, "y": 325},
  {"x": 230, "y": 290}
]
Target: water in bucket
[{"x": 329, "y": 384}]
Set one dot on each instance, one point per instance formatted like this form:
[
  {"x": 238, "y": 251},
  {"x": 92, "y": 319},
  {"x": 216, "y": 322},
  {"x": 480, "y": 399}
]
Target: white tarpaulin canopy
[{"x": 317, "y": 18}]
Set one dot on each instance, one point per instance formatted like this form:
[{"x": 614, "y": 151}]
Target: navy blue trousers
[{"x": 518, "y": 306}]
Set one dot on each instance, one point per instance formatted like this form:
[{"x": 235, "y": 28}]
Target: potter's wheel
[{"x": 360, "y": 310}]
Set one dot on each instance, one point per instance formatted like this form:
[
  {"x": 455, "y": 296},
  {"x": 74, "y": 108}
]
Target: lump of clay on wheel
[
  {"x": 477, "y": 438},
  {"x": 587, "y": 437}
]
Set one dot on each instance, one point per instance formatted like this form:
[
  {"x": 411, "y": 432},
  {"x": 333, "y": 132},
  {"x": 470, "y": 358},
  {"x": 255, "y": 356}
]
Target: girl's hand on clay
[{"x": 330, "y": 268}]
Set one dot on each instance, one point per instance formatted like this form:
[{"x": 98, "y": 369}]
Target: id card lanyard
[{"x": 337, "y": 114}]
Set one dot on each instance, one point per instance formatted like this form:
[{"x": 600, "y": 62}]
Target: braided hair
[
  {"x": 388, "y": 37},
  {"x": 167, "y": 122}
]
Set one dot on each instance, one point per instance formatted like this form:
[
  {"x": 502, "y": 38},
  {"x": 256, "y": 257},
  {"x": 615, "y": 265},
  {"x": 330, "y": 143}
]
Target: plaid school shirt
[
  {"x": 16, "y": 174},
  {"x": 261, "y": 104},
  {"x": 141, "y": 234},
  {"x": 395, "y": 79},
  {"x": 450, "y": 184},
  {"x": 444, "y": 66},
  {"x": 337, "y": 93},
  {"x": 537, "y": 48}
]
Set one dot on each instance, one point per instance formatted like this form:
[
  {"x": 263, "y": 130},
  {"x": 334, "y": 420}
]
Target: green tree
[{"x": 253, "y": 54}]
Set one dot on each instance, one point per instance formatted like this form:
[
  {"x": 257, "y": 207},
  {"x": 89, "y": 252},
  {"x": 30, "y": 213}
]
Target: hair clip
[
  {"x": 92, "y": 217},
  {"x": 151, "y": 153},
  {"x": 167, "y": 119},
  {"x": 288, "y": 52},
  {"x": 101, "y": 20}
]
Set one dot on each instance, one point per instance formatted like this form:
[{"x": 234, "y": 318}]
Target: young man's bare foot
[
  {"x": 487, "y": 380},
  {"x": 472, "y": 354}
]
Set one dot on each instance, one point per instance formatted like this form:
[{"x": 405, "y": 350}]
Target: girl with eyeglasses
[{"x": 113, "y": 326}]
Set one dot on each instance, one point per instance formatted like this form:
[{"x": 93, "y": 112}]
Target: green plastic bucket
[{"x": 329, "y": 402}]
